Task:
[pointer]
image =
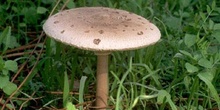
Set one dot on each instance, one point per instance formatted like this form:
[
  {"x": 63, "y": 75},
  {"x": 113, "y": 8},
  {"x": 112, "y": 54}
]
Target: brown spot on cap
[
  {"x": 87, "y": 31},
  {"x": 114, "y": 27},
  {"x": 126, "y": 25},
  {"x": 96, "y": 41},
  {"x": 55, "y": 22},
  {"x": 140, "y": 33},
  {"x": 124, "y": 16},
  {"x": 130, "y": 12},
  {"x": 87, "y": 21},
  {"x": 117, "y": 12},
  {"x": 62, "y": 31},
  {"x": 105, "y": 9},
  {"x": 72, "y": 25},
  {"x": 101, "y": 31}
]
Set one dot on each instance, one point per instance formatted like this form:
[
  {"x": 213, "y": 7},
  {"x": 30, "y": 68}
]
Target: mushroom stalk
[{"x": 102, "y": 81}]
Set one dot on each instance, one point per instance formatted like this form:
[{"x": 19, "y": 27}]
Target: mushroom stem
[{"x": 102, "y": 81}]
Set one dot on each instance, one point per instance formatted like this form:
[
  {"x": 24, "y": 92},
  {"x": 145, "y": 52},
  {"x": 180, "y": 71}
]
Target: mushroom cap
[{"x": 101, "y": 29}]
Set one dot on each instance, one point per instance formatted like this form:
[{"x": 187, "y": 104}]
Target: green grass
[{"x": 181, "y": 71}]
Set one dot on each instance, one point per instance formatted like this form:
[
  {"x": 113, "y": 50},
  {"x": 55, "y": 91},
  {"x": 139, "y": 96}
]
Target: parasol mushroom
[{"x": 101, "y": 30}]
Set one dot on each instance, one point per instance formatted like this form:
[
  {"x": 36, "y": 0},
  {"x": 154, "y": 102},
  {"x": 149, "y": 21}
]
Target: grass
[{"x": 181, "y": 71}]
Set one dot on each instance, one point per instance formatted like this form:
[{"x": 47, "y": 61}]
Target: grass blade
[
  {"x": 65, "y": 90},
  {"x": 204, "y": 76},
  {"x": 81, "y": 90}
]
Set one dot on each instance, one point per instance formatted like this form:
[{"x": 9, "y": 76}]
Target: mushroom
[{"x": 101, "y": 30}]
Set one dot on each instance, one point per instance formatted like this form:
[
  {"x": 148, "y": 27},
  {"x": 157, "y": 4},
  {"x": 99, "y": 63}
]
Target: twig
[
  {"x": 22, "y": 83},
  {"x": 65, "y": 4},
  {"x": 18, "y": 54},
  {"x": 21, "y": 48},
  {"x": 27, "y": 101}
]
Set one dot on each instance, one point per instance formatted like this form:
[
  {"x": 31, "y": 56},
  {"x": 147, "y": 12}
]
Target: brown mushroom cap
[{"x": 101, "y": 29}]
